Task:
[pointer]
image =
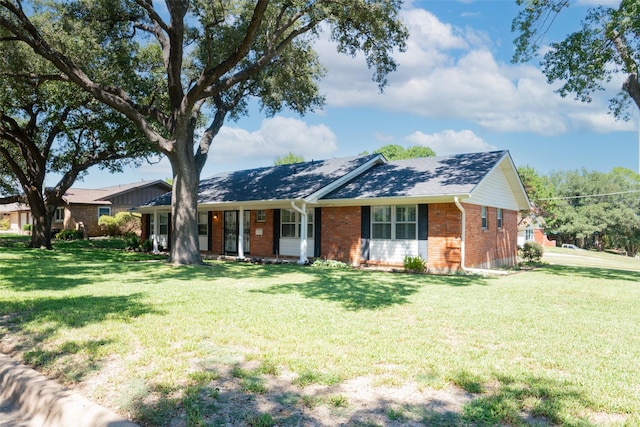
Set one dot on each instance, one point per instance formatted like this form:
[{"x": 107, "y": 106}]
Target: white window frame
[
  {"x": 499, "y": 218},
  {"x": 163, "y": 223},
  {"x": 261, "y": 215},
  {"x": 203, "y": 223},
  {"x": 528, "y": 233},
  {"x": 483, "y": 220},
  {"x": 58, "y": 215},
  {"x": 101, "y": 208},
  {"x": 296, "y": 221},
  {"x": 392, "y": 220}
]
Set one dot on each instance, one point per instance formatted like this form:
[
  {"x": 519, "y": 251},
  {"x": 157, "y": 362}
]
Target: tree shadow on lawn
[
  {"x": 32, "y": 323},
  {"x": 363, "y": 290},
  {"x": 592, "y": 272},
  {"x": 216, "y": 397}
]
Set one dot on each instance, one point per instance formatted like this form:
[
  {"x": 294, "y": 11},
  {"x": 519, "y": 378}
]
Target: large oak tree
[
  {"x": 188, "y": 66},
  {"x": 49, "y": 128},
  {"x": 606, "y": 44}
]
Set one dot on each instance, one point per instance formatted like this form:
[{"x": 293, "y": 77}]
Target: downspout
[
  {"x": 462, "y": 233},
  {"x": 155, "y": 231},
  {"x": 463, "y": 267},
  {"x": 303, "y": 231}
]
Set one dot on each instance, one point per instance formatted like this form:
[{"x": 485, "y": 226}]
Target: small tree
[
  {"x": 289, "y": 159},
  {"x": 532, "y": 252}
]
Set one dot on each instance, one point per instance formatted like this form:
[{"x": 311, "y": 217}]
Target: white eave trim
[{"x": 314, "y": 198}]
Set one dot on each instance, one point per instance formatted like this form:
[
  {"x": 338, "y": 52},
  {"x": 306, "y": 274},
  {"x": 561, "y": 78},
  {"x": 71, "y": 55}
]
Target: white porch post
[
  {"x": 241, "y": 233},
  {"x": 303, "y": 231},
  {"x": 155, "y": 232}
]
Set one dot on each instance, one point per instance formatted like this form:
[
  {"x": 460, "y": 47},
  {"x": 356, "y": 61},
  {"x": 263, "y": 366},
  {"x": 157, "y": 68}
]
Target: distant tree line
[{"x": 588, "y": 208}]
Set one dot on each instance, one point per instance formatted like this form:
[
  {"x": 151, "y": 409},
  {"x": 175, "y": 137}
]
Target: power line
[{"x": 591, "y": 195}]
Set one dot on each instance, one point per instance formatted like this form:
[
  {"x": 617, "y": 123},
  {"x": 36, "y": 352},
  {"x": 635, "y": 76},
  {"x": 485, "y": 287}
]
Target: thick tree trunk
[
  {"x": 632, "y": 87},
  {"x": 41, "y": 228},
  {"x": 185, "y": 247}
]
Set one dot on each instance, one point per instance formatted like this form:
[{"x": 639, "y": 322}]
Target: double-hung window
[
  {"x": 104, "y": 210},
  {"x": 398, "y": 222},
  {"x": 499, "y": 216},
  {"x": 484, "y": 217},
  {"x": 58, "y": 216},
  {"x": 291, "y": 222},
  {"x": 203, "y": 223}
]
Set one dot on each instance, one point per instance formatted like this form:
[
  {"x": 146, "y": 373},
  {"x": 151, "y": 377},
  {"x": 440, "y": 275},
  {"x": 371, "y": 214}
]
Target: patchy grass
[{"x": 228, "y": 341}]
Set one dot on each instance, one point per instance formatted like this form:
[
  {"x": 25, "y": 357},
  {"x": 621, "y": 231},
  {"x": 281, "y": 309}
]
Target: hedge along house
[{"x": 455, "y": 212}]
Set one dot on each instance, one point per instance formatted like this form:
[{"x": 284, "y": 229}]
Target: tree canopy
[
  {"x": 606, "y": 44},
  {"x": 288, "y": 159},
  {"x": 48, "y": 127},
  {"x": 183, "y": 67},
  {"x": 398, "y": 152}
]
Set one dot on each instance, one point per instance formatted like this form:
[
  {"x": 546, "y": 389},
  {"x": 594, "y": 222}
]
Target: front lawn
[{"x": 241, "y": 344}]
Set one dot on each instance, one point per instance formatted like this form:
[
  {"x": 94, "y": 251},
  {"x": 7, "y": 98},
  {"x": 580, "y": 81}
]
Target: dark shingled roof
[
  {"x": 424, "y": 176},
  {"x": 285, "y": 182}
]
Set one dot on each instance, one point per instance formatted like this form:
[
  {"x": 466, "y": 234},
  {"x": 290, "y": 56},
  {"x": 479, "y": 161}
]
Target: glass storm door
[{"x": 231, "y": 232}]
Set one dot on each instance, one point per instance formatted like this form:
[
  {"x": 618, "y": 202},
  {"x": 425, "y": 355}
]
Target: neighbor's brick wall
[
  {"x": 492, "y": 247},
  {"x": 443, "y": 244},
  {"x": 340, "y": 234},
  {"x": 88, "y": 216}
]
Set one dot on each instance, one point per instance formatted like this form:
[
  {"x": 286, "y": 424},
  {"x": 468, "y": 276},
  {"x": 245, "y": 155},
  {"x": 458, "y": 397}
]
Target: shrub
[
  {"x": 131, "y": 240},
  {"x": 147, "y": 245},
  {"x": 27, "y": 227},
  {"x": 532, "y": 252},
  {"x": 332, "y": 263},
  {"x": 120, "y": 224},
  {"x": 70, "y": 235},
  {"x": 414, "y": 264},
  {"x": 4, "y": 224}
]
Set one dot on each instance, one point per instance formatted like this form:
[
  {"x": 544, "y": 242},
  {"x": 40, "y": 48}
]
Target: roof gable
[
  {"x": 285, "y": 182},
  {"x": 424, "y": 176},
  {"x": 101, "y": 196}
]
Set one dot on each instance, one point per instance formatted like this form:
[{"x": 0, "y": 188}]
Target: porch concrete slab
[{"x": 29, "y": 399}]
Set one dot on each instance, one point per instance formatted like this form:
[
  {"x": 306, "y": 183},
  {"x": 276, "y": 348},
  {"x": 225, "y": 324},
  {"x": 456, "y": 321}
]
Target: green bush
[
  {"x": 147, "y": 245},
  {"x": 131, "y": 240},
  {"x": 331, "y": 263},
  {"x": 120, "y": 224},
  {"x": 532, "y": 252},
  {"x": 27, "y": 227},
  {"x": 414, "y": 264},
  {"x": 4, "y": 224},
  {"x": 70, "y": 235}
]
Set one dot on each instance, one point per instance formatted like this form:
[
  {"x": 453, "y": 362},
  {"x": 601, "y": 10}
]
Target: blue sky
[{"x": 455, "y": 91}]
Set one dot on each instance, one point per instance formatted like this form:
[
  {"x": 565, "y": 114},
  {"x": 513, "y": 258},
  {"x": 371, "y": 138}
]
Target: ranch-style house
[{"x": 456, "y": 212}]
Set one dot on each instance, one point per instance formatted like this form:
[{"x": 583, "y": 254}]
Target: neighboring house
[
  {"x": 454, "y": 211},
  {"x": 82, "y": 207},
  {"x": 532, "y": 230}
]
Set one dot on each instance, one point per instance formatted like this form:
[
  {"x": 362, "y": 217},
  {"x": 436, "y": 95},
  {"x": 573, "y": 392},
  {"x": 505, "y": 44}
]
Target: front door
[
  {"x": 247, "y": 232},
  {"x": 231, "y": 232}
]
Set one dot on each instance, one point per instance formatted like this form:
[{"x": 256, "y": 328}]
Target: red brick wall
[
  {"x": 340, "y": 234},
  {"x": 444, "y": 242},
  {"x": 491, "y": 247},
  {"x": 262, "y": 246},
  {"x": 88, "y": 216}
]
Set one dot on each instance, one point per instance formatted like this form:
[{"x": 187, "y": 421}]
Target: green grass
[{"x": 555, "y": 345}]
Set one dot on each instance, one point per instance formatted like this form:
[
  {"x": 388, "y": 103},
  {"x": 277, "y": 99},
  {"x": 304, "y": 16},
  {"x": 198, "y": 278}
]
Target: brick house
[
  {"x": 82, "y": 207},
  {"x": 455, "y": 212}
]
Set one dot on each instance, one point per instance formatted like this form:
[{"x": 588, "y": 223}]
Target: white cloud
[
  {"x": 276, "y": 136},
  {"x": 451, "y": 73},
  {"x": 450, "y": 142}
]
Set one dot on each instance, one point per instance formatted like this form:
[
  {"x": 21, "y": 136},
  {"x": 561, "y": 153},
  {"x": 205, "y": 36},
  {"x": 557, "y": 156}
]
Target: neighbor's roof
[
  {"x": 284, "y": 182},
  {"x": 424, "y": 176},
  {"x": 100, "y": 196}
]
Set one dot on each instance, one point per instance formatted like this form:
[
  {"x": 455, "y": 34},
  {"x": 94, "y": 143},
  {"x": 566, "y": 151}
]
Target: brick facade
[
  {"x": 444, "y": 241},
  {"x": 85, "y": 215},
  {"x": 340, "y": 238}
]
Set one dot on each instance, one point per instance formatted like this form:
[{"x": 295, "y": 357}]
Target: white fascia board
[
  {"x": 407, "y": 200},
  {"x": 314, "y": 198}
]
